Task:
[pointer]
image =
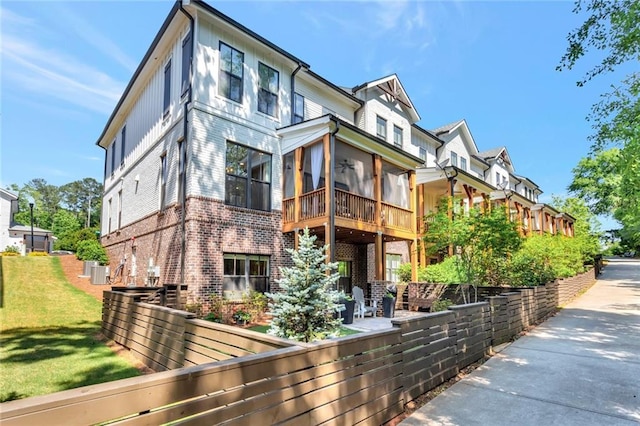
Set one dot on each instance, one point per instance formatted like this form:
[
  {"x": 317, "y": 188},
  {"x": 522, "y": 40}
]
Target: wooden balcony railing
[
  {"x": 348, "y": 206},
  {"x": 352, "y": 206},
  {"x": 396, "y": 217},
  {"x": 288, "y": 212},
  {"x": 312, "y": 204}
]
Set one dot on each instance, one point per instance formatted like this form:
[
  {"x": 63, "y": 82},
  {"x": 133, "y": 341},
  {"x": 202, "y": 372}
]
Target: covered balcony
[{"x": 349, "y": 187}]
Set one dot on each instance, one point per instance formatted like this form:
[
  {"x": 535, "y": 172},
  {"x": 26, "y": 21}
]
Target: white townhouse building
[{"x": 224, "y": 146}]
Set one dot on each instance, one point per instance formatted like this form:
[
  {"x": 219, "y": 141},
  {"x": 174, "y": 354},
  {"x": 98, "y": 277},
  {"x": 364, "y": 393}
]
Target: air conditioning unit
[
  {"x": 99, "y": 274},
  {"x": 88, "y": 264}
]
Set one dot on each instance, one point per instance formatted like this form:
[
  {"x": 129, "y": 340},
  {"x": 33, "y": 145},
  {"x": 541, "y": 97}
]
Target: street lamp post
[{"x": 31, "y": 210}]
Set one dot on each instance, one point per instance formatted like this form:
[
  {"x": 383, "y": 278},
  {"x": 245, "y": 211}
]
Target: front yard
[{"x": 50, "y": 332}]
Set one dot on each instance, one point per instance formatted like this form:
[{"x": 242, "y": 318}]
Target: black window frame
[
  {"x": 241, "y": 279},
  {"x": 398, "y": 130},
  {"x": 182, "y": 165},
  {"x": 164, "y": 175},
  {"x": 187, "y": 49},
  {"x": 166, "y": 100},
  {"x": 380, "y": 120},
  {"x": 251, "y": 184},
  {"x": 268, "y": 99},
  {"x": 298, "y": 116},
  {"x": 224, "y": 75},
  {"x": 123, "y": 144},
  {"x": 113, "y": 156}
]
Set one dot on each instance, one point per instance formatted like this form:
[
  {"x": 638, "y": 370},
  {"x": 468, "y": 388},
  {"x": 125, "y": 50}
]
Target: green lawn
[{"x": 48, "y": 332}]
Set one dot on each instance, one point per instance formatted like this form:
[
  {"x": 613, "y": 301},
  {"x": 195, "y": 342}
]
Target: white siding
[
  {"x": 419, "y": 140},
  {"x": 377, "y": 105},
  {"x": 319, "y": 101},
  {"x": 144, "y": 121},
  {"x": 206, "y": 77},
  {"x": 206, "y": 175}
]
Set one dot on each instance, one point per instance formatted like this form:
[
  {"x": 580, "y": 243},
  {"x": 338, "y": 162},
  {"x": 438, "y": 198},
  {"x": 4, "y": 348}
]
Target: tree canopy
[{"x": 608, "y": 179}]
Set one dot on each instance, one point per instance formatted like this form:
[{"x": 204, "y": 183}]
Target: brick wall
[{"x": 212, "y": 229}]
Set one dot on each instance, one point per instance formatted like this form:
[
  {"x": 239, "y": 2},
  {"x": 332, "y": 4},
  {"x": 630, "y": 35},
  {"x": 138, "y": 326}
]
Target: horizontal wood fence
[{"x": 248, "y": 378}]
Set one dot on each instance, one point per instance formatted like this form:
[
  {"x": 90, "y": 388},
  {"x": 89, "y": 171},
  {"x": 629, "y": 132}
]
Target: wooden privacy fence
[{"x": 249, "y": 378}]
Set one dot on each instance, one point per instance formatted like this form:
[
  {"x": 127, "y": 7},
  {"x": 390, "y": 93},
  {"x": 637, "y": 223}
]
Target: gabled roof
[
  {"x": 9, "y": 194},
  {"x": 392, "y": 86},
  {"x": 428, "y": 134},
  {"x": 464, "y": 129},
  {"x": 447, "y": 127},
  {"x": 498, "y": 153},
  {"x": 528, "y": 180}
]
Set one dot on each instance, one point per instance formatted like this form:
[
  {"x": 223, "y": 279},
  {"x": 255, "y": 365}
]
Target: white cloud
[
  {"x": 50, "y": 72},
  {"x": 88, "y": 34}
]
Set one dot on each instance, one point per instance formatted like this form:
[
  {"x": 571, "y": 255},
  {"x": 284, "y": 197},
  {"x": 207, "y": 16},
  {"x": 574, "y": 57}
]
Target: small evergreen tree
[{"x": 304, "y": 309}]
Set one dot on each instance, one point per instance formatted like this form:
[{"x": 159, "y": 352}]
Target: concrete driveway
[{"x": 581, "y": 367}]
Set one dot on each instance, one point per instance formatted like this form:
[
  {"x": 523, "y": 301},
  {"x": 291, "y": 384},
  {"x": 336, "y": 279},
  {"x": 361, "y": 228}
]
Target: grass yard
[{"x": 49, "y": 332}]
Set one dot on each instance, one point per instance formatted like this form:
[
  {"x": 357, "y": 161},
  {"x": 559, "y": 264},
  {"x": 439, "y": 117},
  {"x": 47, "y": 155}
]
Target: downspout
[
  {"x": 293, "y": 89},
  {"x": 332, "y": 194},
  {"x": 183, "y": 201}
]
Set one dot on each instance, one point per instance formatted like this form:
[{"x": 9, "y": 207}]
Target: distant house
[
  {"x": 18, "y": 235},
  {"x": 224, "y": 146},
  {"x": 8, "y": 207}
]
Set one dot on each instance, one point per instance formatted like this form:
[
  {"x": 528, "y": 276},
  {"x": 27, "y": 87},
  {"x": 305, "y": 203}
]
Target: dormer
[
  {"x": 459, "y": 147},
  {"x": 501, "y": 166},
  {"x": 388, "y": 113}
]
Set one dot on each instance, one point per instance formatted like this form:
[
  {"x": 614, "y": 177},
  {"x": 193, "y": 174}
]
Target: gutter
[
  {"x": 332, "y": 196},
  {"x": 293, "y": 90},
  {"x": 183, "y": 152}
]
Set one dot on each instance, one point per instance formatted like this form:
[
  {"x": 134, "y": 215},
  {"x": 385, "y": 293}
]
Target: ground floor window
[
  {"x": 243, "y": 273},
  {"x": 393, "y": 261},
  {"x": 344, "y": 282}
]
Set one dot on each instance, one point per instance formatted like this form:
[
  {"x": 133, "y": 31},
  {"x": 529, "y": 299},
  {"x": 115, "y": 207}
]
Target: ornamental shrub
[
  {"x": 92, "y": 250},
  {"x": 445, "y": 272}
]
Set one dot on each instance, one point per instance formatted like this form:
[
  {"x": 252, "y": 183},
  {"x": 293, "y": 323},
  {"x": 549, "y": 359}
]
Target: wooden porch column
[
  {"x": 413, "y": 201},
  {"x": 530, "y": 219},
  {"x": 422, "y": 259},
  {"x": 541, "y": 221},
  {"x": 298, "y": 164},
  {"x": 296, "y": 238},
  {"x": 519, "y": 218},
  {"x": 329, "y": 228},
  {"x": 413, "y": 253},
  {"x": 379, "y": 257},
  {"x": 377, "y": 187}
]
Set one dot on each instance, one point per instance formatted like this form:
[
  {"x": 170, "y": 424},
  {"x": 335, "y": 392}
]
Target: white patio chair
[{"x": 361, "y": 308}]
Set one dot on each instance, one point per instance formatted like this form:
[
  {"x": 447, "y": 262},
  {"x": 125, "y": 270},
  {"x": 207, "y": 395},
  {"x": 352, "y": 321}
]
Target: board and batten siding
[
  {"x": 207, "y": 67},
  {"x": 319, "y": 102},
  {"x": 148, "y": 135},
  {"x": 419, "y": 140}
]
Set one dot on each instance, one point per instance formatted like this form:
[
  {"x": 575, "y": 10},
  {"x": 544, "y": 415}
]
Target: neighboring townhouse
[
  {"x": 8, "y": 207},
  {"x": 224, "y": 146}
]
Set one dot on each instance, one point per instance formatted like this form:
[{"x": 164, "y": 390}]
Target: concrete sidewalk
[{"x": 581, "y": 367}]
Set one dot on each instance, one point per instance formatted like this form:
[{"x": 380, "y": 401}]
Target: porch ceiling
[{"x": 352, "y": 236}]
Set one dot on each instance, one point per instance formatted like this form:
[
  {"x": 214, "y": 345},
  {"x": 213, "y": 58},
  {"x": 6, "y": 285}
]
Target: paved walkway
[{"x": 581, "y": 367}]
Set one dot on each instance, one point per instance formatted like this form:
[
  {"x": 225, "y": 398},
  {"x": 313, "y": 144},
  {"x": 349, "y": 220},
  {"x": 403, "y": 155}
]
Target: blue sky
[{"x": 65, "y": 64}]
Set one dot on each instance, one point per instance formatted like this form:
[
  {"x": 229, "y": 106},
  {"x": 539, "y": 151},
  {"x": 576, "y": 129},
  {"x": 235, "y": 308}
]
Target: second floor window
[
  {"x": 248, "y": 178},
  {"x": 231, "y": 73},
  {"x": 298, "y": 108},
  {"x": 423, "y": 154},
  {"x": 163, "y": 181},
  {"x": 123, "y": 144},
  {"x": 113, "y": 157},
  {"x": 268, "y": 90},
  {"x": 186, "y": 62},
  {"x": 167, "y": 89},
  {"x": 454, "y": 159},
  {"x": 463, "y": 163},
  {"x": 397, "y": 136},
  {"x": 381, "y": 127}
]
